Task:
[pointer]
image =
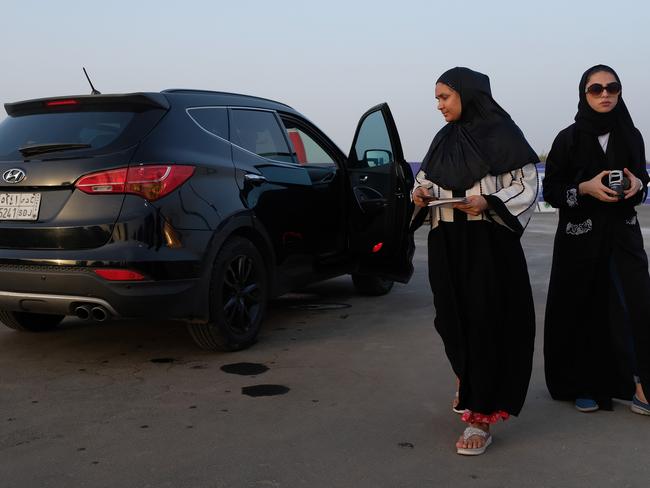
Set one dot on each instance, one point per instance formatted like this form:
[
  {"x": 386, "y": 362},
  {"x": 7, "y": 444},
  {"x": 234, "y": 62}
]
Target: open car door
[{"x": 380, "y": 182}]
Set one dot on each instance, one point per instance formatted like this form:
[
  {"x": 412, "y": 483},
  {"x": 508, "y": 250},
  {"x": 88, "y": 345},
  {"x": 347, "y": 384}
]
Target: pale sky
[{"x": 333, "y": 60}]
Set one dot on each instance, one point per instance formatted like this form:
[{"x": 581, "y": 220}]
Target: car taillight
[
  {"x": 118, "y": 274},
  {"x": 61, "y": 103},
  {"x": 148, "y": 181}
]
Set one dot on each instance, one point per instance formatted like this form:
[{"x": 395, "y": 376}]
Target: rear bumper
[
  {"x": 45, "y": 289},
  {"x": 50, "y": 304}
]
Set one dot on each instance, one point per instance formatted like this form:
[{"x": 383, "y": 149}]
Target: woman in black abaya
[
  {"x": 597, "y": 325},
  {"x": 477, "y": 269}
]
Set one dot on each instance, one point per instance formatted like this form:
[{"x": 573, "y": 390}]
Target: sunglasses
[{"x": 613, "y": 88}]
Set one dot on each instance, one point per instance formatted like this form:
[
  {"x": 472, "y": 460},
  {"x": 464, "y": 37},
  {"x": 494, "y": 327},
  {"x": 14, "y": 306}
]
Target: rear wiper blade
[{"x": 52, "y": 147}]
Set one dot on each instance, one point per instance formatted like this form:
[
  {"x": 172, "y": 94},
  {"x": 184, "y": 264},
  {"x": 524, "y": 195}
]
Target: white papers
[{"x": 446, "y": 201}]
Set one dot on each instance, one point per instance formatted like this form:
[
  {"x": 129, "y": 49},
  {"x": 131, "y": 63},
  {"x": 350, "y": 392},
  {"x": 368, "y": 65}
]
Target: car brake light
[
  {"x": 118, "y": 274},
  {"x": 148, "y": 181},
  {"x": 377, "y": 247},
  {"x": 59, "y": 103}
]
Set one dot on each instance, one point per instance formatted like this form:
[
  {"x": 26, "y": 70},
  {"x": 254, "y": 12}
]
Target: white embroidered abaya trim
[
  {"x": 578, "y": 229},
  {"x": 572, "y": 197}
]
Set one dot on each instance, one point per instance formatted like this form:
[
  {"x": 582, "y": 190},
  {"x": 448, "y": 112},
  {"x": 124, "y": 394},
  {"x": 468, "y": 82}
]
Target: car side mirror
[{"x": 377, "y": 157}]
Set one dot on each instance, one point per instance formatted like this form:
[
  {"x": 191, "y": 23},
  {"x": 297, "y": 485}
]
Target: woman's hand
[
  {"x": 635, "y": 184},
  {"x": 474, "y": 205},
  {"x": 421, "y": 196},
  {"x": 595, "y": 188}
]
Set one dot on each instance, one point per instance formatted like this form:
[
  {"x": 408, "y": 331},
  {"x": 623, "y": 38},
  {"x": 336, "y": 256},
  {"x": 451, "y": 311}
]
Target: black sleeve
[
  {"x": 497, "y": 205},
  {"x": 559, "y": 189}
]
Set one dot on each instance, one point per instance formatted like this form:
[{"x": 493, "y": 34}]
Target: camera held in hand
[{"x": 618, "y": 182}]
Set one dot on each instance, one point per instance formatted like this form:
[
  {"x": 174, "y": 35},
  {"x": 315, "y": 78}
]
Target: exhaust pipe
[
  {"x": 83, "y": 312},
  {"x": 100, "y": 314}
]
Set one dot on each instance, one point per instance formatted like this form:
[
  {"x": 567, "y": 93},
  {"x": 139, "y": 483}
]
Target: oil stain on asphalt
[
  {"x": 245, "y": 369},
  {"x": 253, "y": 369},
  {"x": 163, "y": 360},
  {"x": 264, "y": 390}
]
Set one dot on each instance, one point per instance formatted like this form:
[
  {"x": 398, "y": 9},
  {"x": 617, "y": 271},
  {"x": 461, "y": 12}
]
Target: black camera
[{"x": 618, "y": 182}]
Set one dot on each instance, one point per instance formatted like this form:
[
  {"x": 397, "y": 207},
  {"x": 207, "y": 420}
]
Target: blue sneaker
[
  {"x": 586, "y": 405},
  {"x": 639, "y": 407}
]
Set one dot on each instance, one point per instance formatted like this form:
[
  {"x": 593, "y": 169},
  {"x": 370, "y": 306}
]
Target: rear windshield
[{"x": 104, "y": 131}]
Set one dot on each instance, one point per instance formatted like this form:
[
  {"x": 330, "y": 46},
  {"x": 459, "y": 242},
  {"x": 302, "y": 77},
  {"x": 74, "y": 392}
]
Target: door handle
[
  {"x": 255, "y": 179},
  {"x": 363, "y": 179}
]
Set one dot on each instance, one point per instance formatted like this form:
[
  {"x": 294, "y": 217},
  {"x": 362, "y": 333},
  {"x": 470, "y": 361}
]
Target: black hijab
[
  {"x": 484, "y": 140},
  {"x": 625, "y": 146},
  {"x": 588, "y": 120}
]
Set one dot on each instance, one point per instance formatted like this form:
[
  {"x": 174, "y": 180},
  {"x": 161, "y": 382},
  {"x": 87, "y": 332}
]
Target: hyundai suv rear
[{"x": 190, "y": 205}]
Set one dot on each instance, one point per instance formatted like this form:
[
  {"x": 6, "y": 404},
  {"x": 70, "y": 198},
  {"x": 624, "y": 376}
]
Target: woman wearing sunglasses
[
  {"x": 477, "y": 269},
  {"x": 597, "y": 326}
]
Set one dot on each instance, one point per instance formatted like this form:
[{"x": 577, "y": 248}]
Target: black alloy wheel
[
  {"x": 241, "y": 294},
  {"x": 238, "y": 298}
]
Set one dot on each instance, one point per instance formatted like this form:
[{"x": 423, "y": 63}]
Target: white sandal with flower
[{"x": 471, "y": 432}]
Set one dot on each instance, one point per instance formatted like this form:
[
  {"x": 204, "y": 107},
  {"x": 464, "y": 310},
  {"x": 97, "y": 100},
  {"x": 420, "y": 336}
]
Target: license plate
[{"x": 19, "y": 206}]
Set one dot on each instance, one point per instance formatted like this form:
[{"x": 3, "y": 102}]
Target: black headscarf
[
  {"x": 588, "y": 120},
  {"x": 625, "y": 146},
  {"x": 484, "y": 140}
]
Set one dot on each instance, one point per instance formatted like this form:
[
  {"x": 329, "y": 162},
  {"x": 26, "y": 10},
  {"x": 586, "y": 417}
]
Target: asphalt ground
[{"x": 361, "y": 398}]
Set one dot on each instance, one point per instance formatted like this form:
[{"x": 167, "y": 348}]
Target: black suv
[{"x": 190, "y": 205}]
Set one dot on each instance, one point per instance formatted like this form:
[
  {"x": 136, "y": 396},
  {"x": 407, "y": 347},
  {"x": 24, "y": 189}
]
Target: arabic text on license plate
[{"x": 19, "y": 206}]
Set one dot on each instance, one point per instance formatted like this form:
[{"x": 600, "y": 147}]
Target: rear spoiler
[{"x": 128, "y": 102}]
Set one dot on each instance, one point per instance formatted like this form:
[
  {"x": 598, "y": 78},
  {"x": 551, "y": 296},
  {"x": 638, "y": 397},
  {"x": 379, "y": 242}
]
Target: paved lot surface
[{"x": 368, "y": 404}]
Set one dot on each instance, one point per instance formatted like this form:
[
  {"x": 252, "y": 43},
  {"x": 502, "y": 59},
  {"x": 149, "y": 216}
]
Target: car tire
[
  {"x": 30, "y": 322},
  {"x": 371, "y": 285},
  {"x": 239, "y": 293}
]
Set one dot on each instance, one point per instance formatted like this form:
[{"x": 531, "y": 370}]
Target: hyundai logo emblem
[{"x": 13, "y": 175}]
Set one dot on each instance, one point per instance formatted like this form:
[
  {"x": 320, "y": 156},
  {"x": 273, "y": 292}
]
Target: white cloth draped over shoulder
[{"x": 516, "y": 189}]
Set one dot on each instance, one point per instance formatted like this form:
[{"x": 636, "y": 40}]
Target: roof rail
[{"x": 191, "y": 91}]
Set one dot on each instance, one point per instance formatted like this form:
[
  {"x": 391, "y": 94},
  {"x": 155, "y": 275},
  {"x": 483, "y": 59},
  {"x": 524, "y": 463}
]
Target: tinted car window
[
  {"x": 260, "y": 133},
  {"x": 373, "y": 136},
  {"x": 306, "y": 150},
  {"x": 99, "y": 129},
  {"x": 214, "y": 120}
]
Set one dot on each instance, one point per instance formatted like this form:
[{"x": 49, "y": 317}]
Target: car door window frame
[
  {"x": 396, "y": 145},
  {"x": 280, "y": 126},
  {"x": 318, "y": 137}
]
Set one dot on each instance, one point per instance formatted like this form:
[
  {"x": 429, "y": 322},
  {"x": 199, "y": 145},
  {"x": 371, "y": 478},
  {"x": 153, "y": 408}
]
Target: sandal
[
  {"x": 471, "y": 432},
  {"x": 454, "y": 404}
]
